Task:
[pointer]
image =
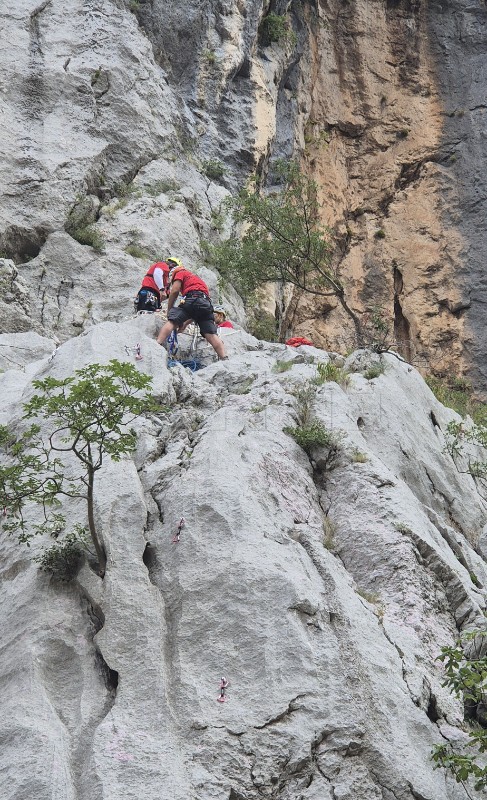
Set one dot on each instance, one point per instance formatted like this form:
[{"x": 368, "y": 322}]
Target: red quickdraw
[{"x": 136, "y": 350}]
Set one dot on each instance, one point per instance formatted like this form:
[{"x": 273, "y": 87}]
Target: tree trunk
[{"x": 100, "y": 551}]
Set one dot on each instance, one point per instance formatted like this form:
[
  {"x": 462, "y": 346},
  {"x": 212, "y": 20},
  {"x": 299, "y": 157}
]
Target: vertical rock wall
[{"x": 394, "y": 138}]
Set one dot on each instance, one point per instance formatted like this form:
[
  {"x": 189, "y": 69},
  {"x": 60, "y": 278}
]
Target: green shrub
[
  {"x": 136, "y": 251},
  {"x": 357, "y": 457},
  {"x": 380, "y": 234},
  {"x": 210, "y": 57},
  {"x": 218, "y": 221},
  {"x": 214, "y": 170},
  {"x": 402, "y": 528},
  {"x": 465, "y": 665},
  {"x": 264, "y": 327},
  {"x": 89, "y": 235},
  {"x": 330, "y": 372},
  {"x": 282, "y": 366},
  {"x": 162, "y": 187},
  {"x": 276, "y": 28},
  {"x": 282, "y": 240},
  {"x": 457, "y": 393},
  {"x": 374, "y": 371},
  {"x": 315, "y": 434},
  {"x": 65, "y": 557}
]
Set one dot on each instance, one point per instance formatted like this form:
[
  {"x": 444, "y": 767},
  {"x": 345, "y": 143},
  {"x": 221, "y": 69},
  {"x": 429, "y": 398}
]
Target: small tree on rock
[
  {"x": 283, "y": 241},
  {"x": 90, "y": 414},
  {"x": 466, "y": 675}
]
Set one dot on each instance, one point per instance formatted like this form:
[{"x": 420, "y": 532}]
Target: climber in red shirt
[
  {"x": 154, "y": 288},
  {"x": 221, "y": 317},
  {"x": 195, "y": 304}
]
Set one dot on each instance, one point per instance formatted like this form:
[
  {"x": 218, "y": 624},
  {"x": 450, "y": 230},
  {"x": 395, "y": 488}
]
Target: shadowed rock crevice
[{"x": 20, "y": 244}]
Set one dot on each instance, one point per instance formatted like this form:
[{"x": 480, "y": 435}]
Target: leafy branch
[
  {"x": 90, "y": 414},
  {"x": 465, "y": 666},
  {"x": 283, "y": 240}
]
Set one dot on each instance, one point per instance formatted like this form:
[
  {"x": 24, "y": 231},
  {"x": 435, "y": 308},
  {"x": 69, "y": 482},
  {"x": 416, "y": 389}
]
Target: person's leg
[
  {"x": 166, "y": 329},
  {"x": 176, "y": 317},
  {"x": 216, "y": 344}
]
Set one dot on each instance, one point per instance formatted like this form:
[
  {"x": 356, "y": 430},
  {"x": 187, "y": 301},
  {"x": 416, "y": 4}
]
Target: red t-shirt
[
  {"x": 161, "y": 269},
  {"x": 225, "y": 324},
  {"x": 190, "y": 282}
]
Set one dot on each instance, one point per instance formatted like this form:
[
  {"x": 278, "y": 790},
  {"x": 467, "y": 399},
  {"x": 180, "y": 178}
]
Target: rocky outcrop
[
  {"x": 322, "y": 587},
  {"x": 394, "y": 140},
  {"x": 130, "y": 116}
]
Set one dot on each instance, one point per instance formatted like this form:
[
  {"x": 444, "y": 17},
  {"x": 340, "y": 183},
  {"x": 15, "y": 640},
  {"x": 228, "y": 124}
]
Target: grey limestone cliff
[{"x": 321, "y": 587}]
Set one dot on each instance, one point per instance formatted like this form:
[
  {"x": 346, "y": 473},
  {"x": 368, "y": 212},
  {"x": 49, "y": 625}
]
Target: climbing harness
[
  {"x": 222, "y": 697},
  {"x": 177, "y": 535},
  {"x": 136, "y": 350}
]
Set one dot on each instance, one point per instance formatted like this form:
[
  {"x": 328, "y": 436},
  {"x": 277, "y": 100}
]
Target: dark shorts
[
  {"x": 147, "y": 300},
  {"x": 198, "y": 308}
]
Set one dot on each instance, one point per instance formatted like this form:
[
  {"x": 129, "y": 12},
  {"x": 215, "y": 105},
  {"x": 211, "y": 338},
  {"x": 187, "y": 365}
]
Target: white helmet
[{"x": 220, "y": 310}]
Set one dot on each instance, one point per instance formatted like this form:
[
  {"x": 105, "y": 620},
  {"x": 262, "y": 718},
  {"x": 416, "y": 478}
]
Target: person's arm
[
  {"x": 174, "y": 293},
  {"x": 158, "y": 277}
]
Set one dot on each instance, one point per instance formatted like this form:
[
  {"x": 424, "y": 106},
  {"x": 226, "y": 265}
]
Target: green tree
[
  {"x": 283, "y": 241},
  {"x": 460, "y": 433},
  {"x": 466, "y": 675},
  {"x": 88, "y": 416}
]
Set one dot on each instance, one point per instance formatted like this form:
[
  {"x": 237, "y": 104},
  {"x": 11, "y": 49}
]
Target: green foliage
[
  {"x": 380, "y": 234},
  {"x": 457, "y": 393},
  {"x": 96, "y": 76},
  {"x": 245, "y": 386},
  {"x": 457, "y": 435},
  {"x": 310, "y": 436},
  {"x": 162, "y": 187},
  {"x": 377, "y": 331},
  {"x": 276, "y": 28},
  {"x": 402, "y": 527},
  {"x": 65, "y": 557},
  {"x": 374, "y": 371},
  {"x": 264, "y": 326},
  {"x": 89, "y": 235},
  {"x": 330, "y": 372},
  {"x": 217, "y": 221},
  {"x": 304, "y": 397},
  {"x": 89, "y": 415},
  {"x": 357, "y": 457},
  {"x": 282, "y": 366},
  {"x": 137, "y": 251},
  {"x": 283, "y": 239},
  {"x": 466, "y": 677},
  {"x": 214, "y": 170},
  {"x": 210, "y": 57},
  {"x": 310, "y": 432}
]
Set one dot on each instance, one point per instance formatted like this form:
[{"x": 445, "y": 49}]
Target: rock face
[
  {"x": 321, "y": 587},
  {"x": 395, "y": 137},
  {"x": 137, "y": 118}
]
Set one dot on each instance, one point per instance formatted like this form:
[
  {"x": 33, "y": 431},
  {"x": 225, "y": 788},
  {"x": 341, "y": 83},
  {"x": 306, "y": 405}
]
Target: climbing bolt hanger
[
  {"x": 222, "y": 697},
  {"x": 177, "y": 535}
]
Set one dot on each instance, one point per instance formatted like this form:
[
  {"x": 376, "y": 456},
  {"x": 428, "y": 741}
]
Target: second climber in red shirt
[{"x": 195, "y": 304}]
